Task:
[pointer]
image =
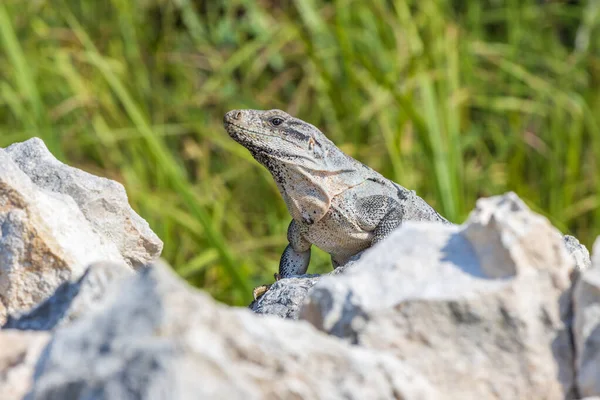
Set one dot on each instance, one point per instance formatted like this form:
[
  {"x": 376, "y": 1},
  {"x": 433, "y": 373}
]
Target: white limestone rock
[
  {"x": 102, "y": 201},
  {"x": 481, "y": 310},
  {"x": 72, "y": 299},
  {"x": 45, "y": 240},
  {"x": 156, "y": 338},
  {"x": 19, "y": 352},
  {"x": 587, "y": 327}
]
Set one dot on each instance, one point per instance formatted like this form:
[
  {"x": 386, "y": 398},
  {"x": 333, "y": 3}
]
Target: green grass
[{"x": 456, "y": 99}]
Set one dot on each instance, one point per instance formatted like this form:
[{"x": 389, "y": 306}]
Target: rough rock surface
[
  {"x": 157, "y": 338},
  {"x": 71, "y": 300},
  {"x": 286, "y": 296},
  {"x": 44, "y": 240},
  {"x": 485, "y": 310},
  {"x": 587, "y": 328},
  {"x": 102, "y": 201},
  {"x": 19, "y": 352},
  {"x": 579, "y": 252},
  {"x": 482, "y": 309}
]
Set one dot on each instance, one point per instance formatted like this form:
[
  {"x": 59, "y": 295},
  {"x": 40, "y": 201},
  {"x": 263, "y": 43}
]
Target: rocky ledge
[{"x": 500, "y": 307}]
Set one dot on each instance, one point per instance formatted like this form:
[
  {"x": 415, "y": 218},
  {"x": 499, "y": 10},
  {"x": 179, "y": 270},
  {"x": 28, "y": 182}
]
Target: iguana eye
[{"x": 276, "y": 121}]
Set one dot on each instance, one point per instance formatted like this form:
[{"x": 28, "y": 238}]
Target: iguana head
[
  {"x": 277, "y": 136},
  {"x": 307, "y": 167}
]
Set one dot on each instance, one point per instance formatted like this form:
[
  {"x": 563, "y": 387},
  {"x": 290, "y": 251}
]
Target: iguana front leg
[
  {"x": 295, "y": 257},
  {"x": 380, "y": 215}
]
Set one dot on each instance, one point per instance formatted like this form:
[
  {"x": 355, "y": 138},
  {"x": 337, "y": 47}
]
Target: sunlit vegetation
[{"x": 455, "y": 99}]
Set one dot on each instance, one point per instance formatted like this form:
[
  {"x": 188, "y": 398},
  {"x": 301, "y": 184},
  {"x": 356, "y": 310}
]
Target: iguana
[{"x": 337, "y": 203}]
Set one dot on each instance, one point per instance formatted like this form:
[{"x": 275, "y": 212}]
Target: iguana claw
[{"x": 262, "y": 289}]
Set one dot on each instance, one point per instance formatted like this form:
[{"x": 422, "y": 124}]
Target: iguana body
[{"x": 337, "y": 203}]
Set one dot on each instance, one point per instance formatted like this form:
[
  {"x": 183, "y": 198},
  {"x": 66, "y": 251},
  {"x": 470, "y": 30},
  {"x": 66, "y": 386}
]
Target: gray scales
[{"x": 337, "y": 203}]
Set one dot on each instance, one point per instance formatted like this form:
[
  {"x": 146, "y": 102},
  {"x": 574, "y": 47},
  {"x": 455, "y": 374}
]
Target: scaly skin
[{"x": 337, "y": 203}]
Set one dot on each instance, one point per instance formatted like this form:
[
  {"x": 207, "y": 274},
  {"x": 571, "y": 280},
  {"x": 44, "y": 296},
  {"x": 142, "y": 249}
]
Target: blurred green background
[{"x": 456, "y": 99}]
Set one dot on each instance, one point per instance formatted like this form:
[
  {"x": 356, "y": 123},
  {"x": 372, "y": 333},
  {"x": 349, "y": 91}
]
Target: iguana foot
[{"x": 262, "y": 289}]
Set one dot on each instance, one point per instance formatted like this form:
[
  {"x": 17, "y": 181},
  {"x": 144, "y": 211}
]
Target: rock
[
  {"x": 72, "y": 299},
  {"x": 285, "y": 297},
  {"x": 103, "y": 202},
  {"x": 587, "y": 328},
  {"x": 154, "y": 337},
  {"x": 481, "y": 310},
  {"x": 19, "y": 352},
  {"x": 45, "y": 240},
  {"x": 579, "y": 252}
]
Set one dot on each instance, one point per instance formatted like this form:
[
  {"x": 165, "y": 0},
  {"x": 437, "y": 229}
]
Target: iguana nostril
[{"x": 233, "y": 115}]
